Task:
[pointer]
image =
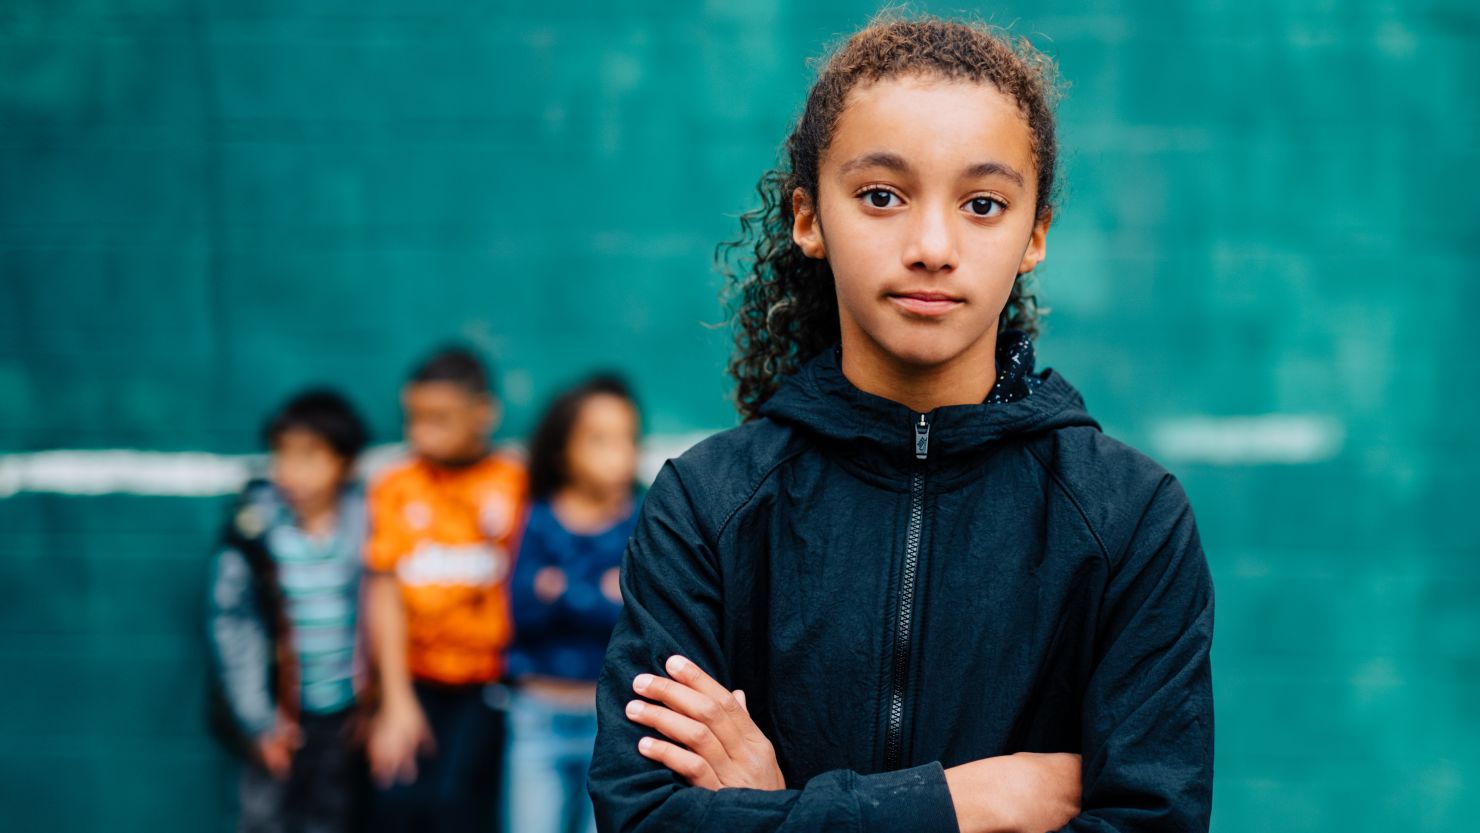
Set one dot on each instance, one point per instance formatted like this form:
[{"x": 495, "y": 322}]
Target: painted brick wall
[{"x": 1269, "y": 209}]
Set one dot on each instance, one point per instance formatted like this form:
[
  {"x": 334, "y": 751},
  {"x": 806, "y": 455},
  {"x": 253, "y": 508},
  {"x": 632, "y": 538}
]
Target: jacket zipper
[{"x": 894, "y": 737}]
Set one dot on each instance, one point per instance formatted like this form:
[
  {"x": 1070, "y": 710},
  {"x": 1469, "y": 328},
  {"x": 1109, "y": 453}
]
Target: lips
[{"x": 925, "y": 303}]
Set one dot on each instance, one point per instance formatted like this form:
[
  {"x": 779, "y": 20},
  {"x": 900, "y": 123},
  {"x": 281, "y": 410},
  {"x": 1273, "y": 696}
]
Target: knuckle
[
  {"x": 699, "y": 735},
  {"x": 708, "y": 711},
  {"x": 693, "y": 768},
  {"x": 688, "y": 734}
]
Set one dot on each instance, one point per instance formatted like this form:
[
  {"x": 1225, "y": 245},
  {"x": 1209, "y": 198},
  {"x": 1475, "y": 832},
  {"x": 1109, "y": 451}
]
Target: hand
[
  {"x": 549, "y": 583},
  {"x": 722, "y": 746},
  {"x": 398, "y": 733},
  {"x": 276, "y": 746},
  {"x": 1028, "y": 792},
  {"x": 611, "y": 585}
]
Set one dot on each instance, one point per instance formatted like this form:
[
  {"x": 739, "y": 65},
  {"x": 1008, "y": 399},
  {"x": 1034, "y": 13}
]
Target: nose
[{"x": 932, "y": 241}]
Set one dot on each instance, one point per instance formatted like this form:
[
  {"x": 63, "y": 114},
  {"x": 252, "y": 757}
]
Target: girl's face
[
  {"x": 601, "y": 454},
  {"x": 926, "y": 213}
]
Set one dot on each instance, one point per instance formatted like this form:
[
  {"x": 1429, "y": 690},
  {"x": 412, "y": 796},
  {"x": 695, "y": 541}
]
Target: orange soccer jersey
[{"x": 448, "y": 535}]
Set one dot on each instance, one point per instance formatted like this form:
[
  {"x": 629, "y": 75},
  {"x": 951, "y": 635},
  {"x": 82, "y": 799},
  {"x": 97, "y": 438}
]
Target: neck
[
  {"x": 963, "y": 379},
  {"x": 463, "y": 461},
  {"x": 318, "y": 520},
  {"x": 591, "y": 506},
  {"x": 598, "y": 500}
]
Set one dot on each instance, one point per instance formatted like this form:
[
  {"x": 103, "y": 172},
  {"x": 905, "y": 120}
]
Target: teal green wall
[{"x": 1269, "y": 209}]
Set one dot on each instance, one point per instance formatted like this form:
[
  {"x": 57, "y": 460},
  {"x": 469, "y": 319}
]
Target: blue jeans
[{"x": 549, "y": 755}]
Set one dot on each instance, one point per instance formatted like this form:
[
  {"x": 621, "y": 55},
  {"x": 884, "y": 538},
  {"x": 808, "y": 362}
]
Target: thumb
[{"x": 740, "y": 695}]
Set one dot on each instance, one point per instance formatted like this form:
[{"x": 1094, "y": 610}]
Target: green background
[{"x": 1269, "y": 209}]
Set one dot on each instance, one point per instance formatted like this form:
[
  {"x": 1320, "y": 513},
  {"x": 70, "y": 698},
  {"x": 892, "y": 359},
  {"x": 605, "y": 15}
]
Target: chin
[{"x": 924, "y": 346}]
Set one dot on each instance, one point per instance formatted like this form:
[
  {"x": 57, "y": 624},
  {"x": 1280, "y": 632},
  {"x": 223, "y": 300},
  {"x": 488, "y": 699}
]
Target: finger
[
  {"x": 681, "y": 761},
  {"x": 384, "y": 772},
  {"x": 740, "y": 695},
  {"x": 272, "y": 762},
  {"x": 691, "y": 733},
  {"x": 690, "y": 674},
  {"x": 690, "y": 703},
  {"x": 407, "y": 770}
]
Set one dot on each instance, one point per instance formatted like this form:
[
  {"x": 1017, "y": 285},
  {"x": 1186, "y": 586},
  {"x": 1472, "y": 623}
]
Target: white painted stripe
[
  {"x": 201, "y": 474},
  {"x": 1249, "y": 440},
  {"x": 1240, "y": 440},
  {"x": 183, "y": 474}
]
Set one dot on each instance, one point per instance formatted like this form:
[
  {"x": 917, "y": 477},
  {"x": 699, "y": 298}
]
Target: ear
[
  {"x": 805, "y": 229},
  {"x": 1037, "y": 244},
  {"x": 490, "y": 413}
]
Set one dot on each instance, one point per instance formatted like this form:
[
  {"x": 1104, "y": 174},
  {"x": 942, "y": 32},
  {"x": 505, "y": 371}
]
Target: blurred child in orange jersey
[{"x": 442, "y": 532}]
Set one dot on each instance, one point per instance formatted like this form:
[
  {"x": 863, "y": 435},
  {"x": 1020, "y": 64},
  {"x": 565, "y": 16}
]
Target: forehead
[
  {"x": 299, "y": 438},
  {"x": 603, "y": 409},
  {"x": 935, "y": 123},
  {"x": 438, "y": 395}
]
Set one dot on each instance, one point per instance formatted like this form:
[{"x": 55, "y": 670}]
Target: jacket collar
[{"x": 820, "y": 400}]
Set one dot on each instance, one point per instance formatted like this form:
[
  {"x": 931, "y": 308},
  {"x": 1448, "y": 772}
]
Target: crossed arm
[{"x": 710, "y": 740}]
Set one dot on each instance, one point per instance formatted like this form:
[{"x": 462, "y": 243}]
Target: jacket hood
[{"x": 820, "y": 400}]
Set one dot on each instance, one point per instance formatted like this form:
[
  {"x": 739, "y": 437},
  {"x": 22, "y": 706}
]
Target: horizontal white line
[
  {"x": 202, "y": 474},
  {"x": 1249, "y": 440},
  {"x": 1241, "y": 440},
  {"x": 187, "y": 474}
]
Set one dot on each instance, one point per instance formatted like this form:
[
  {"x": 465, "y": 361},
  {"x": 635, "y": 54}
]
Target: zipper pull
[{"x": 922, "y": 438}]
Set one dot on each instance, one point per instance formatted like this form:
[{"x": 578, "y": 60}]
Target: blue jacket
[
  {"x": 565, "y": 637},
  {"x": 898, "y": 593}
]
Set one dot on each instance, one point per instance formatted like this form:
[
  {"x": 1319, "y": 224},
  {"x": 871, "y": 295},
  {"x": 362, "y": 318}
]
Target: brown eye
[
  {"x": 879, "y": 198},
  {"x": 983, "y": 206}
]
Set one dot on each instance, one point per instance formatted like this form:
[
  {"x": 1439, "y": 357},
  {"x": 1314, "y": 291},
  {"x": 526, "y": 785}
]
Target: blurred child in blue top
[
  {"x": 282, "y": 623},
  {"x": 582, "y": 486}
]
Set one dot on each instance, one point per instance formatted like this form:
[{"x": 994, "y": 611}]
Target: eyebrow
[
  {"x": 877, "y": 159},
  {"x": 986, "y": 169},
  {"x": 895, "y": 162}
]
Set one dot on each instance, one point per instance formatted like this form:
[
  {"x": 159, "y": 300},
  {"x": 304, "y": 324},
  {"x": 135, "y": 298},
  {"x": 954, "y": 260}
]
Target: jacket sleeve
[
  {"x": 1148, "y": 706},
  {"x": 532, "y": 615},
  {"x": 240, "y": 644},
  {"x": 671, "y": 586}
]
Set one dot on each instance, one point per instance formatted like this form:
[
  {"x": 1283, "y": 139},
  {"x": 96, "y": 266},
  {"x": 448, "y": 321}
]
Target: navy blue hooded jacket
[{"x": 898, "y": 593}]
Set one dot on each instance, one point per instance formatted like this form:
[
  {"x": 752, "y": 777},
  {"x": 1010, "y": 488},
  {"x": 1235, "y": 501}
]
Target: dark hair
[
  {"x": 787, "y": 306},
  {"x": 547, "y": 449},
  {"x": 325, "y": 413},
  {"x": 458, "y": 365}
]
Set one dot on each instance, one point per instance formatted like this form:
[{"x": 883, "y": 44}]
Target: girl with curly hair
[{"x": 918, "y": 589}]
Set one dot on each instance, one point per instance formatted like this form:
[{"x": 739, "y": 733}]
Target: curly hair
[{"x": 785, "y": 304}]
